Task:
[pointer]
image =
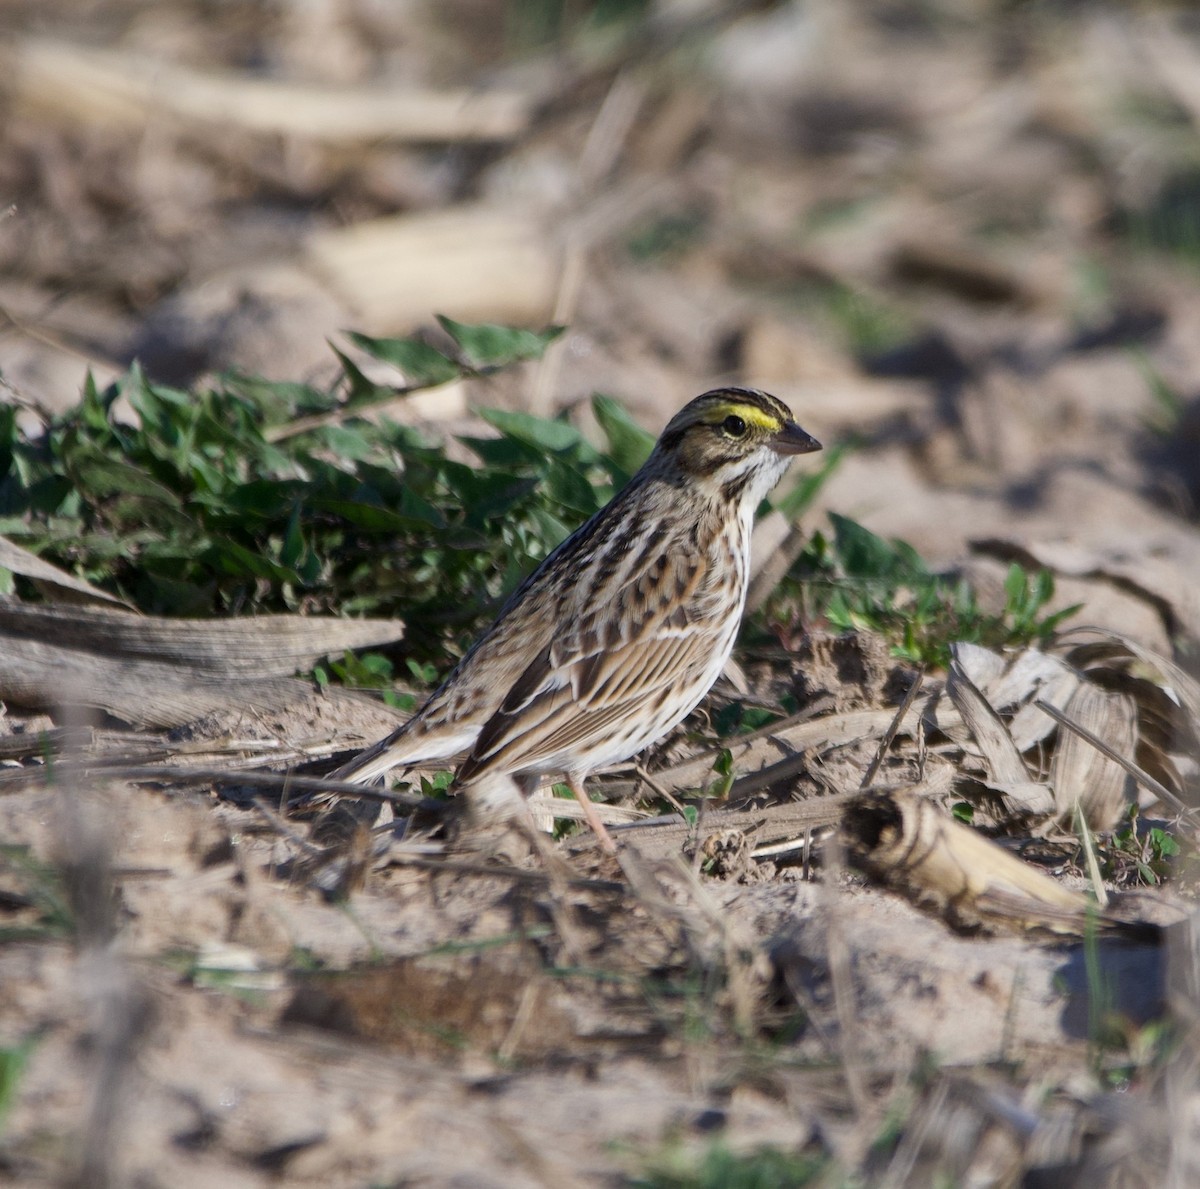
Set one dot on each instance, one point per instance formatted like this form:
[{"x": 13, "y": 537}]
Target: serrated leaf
[
  {"x": 423, "y": 366},
  {"x": 488, "y": 345}
]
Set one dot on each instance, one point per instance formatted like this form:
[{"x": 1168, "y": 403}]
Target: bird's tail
[{"x": 408, "y": 746}]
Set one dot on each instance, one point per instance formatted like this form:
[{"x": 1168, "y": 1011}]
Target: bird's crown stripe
[{"x": 752, "y": 414}]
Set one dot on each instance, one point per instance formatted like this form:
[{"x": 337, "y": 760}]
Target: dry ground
[{"x": 962, "y": 236}]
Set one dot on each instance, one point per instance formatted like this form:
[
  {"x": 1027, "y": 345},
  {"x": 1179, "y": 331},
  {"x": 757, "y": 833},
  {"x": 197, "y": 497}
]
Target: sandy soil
[{"x": 961, "y": 238}]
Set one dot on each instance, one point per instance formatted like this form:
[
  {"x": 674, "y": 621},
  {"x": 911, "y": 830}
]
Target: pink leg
[{"x": 593, "y": 818}]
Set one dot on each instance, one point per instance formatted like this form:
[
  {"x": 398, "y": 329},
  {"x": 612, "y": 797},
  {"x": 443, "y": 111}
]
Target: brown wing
[{"x": 639, "y": 646}]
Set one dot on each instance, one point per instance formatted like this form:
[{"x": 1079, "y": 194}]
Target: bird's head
[{"x": 733, "y": 442}]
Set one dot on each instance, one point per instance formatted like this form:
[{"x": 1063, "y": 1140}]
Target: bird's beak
[{"x": 791, "y": 439}]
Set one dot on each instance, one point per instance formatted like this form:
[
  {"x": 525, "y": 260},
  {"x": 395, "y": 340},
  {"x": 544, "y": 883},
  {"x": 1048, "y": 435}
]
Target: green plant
[
  {"x": 13, "y": 1059},
  {"x": 368, "y": 670},
  {"x": 1139, "y": 857},
  {"x": 249, "y": 496},
  {"x": 667, "y": 237},
  {"x": 38, "y": 886},
  {"x": 1170, "y": 222},
  {"x": 437, "y": 785},
  {"x": 864, "y": 322},
  {"x": 860, "y": 582},
  {"x": 532, "y": 24},
  {"x": 1167, "y": 405},
  {"x": 718, "y": 1167}
]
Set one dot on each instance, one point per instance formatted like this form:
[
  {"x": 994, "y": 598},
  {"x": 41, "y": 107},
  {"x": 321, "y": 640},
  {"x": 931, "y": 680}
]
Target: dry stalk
[
  {"x": 841, "y": 978},
  {"x": 913, "y": 844},
  {"x": 118, "y": 88},
  {"x": 881, "y": 751},
  {"x": 118, "y": 1007}
]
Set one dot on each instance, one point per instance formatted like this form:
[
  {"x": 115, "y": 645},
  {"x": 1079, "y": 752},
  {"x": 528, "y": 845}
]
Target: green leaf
[
  {"x": 13, "y": 1060},
  {"x": 423, "y": 366},
  {"x": 292, "y": 549},
  {"x": 359, "y": 388},
  {"x": 865, "y": 555},
  {"x": 1162, "y": 843},
  {"x": 493, "y": 494},
  {"x": 629, "y": 445},
  {"x": 277, "y": 402},
  {"x": 485, "y": 344},
  {"x": 437, "y": 785},
  {"x": 9, "y": 436},
  {"x": 1016, "y": 585},
  {"x": 348, "y": 442},
  {"x": 1043, "y": 589},
  {"x": 550, "y": 528},
  {"x": 505, "y": 452},
  {"x": 375, "y": 519},
  {"x": 570, "y": 489},
  {"x": 536, "y": 431},
  {"x": 230, "y": 558}
]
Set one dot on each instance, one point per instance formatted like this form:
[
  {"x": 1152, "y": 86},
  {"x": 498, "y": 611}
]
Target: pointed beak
[{"x": 791, "y": 439}]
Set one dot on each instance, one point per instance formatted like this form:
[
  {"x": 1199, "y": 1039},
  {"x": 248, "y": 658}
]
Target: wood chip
[
  {"x": 913, "y": 844},
  {"x": 164, "y": 672}
]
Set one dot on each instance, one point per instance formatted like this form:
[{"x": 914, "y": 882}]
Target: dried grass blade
[
  {"x": 1138, "y": 773},
  {"x": 909, "y": 698},
  {"x": 753, "y": 753},
  {"x": 1185, "y": 687},
  {"x": 1089, "y": 853},
  {"x": 1085, "y": 777},
  {"x": 43, "y": 574},
  {"x": 1032, "y": 675},
  {"x": 116, "y": 88},
  {"x": 1004, "y": 762}
]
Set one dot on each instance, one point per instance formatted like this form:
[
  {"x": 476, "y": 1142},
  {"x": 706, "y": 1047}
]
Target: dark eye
[{"x": 734, "y": 426}]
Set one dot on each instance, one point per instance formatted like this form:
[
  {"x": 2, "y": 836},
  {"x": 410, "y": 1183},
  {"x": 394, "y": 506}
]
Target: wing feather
[{"x": 567, "y": 699}]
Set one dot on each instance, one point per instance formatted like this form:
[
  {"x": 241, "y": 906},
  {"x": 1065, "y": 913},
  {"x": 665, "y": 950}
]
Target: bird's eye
[{"x": 734, "y": 426}]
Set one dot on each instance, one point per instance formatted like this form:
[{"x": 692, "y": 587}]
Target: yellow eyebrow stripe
[{"x": 751, "y": 414}]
